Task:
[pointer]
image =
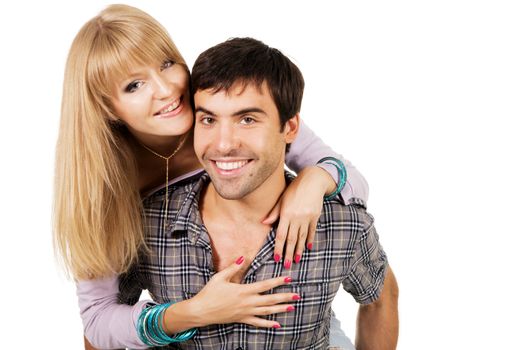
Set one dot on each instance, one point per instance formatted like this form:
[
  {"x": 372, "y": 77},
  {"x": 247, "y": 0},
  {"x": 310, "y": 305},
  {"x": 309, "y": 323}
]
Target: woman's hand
[
  {"x": 299, "y": 208},
  {"x": 222, "y": 301}
]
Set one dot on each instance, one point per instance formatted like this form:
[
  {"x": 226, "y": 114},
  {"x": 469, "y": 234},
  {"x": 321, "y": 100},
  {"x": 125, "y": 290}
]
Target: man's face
[{"x": 238, "y": 138}]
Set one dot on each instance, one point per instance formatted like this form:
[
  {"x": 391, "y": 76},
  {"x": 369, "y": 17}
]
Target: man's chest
[
  {"x": 304, "y": 328},
  {"x": 231, "y": 242},
  {"x": 178, "y": 268}
]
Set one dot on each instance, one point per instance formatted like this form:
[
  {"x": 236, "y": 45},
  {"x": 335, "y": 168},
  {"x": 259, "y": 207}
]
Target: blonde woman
[{"x": 125, "y": 131}]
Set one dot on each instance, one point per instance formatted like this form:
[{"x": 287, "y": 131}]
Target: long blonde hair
[{"x": 97, "y": 208}]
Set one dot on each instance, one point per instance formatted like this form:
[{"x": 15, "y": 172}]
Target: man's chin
[
  {"x": 231, "y": 190},
  {"x": 230, "y": 193}
]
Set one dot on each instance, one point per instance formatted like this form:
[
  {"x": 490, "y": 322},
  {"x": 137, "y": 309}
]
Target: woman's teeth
[
  {"x": 171, "y": 107},
  {"x": 230, "y": 165}
]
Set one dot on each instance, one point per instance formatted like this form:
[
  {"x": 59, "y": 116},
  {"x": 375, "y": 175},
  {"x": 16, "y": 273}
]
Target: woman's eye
[
  {"x": 247, "y": 120},
  {"x": 133, "y": 86},
  {"x": 167, "y": 64}
]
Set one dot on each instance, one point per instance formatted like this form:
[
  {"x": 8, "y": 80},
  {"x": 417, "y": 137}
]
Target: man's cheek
[{"x": 197, "y": 148}]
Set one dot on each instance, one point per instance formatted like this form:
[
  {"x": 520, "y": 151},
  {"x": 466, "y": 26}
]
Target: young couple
[{"x": 176, "y": 188}]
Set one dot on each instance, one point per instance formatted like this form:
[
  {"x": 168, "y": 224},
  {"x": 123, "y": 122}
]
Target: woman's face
[{"x": 154, "y": 101}]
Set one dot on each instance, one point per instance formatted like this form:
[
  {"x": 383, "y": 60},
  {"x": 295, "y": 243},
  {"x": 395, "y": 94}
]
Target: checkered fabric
[{"x": 179, "y": 264}]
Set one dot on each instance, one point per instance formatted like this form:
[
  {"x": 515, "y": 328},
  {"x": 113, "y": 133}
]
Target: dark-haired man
[{"x": 247, "y": 99}]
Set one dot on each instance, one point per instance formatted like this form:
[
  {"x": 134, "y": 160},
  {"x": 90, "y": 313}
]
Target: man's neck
[{"x": 235, "y": 226}]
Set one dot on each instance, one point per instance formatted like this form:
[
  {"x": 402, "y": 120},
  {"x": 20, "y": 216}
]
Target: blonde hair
[{"x": 97, "y": 207}]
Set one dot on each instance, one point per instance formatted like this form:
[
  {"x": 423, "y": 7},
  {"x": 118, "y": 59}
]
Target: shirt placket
[{"x": 243, "y": 338}]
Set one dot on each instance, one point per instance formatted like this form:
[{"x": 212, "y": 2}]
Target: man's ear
[{"x": 291, "y": 128}]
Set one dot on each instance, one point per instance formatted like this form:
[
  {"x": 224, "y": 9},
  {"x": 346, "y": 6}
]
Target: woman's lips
[{"x": 171, "y": 110}]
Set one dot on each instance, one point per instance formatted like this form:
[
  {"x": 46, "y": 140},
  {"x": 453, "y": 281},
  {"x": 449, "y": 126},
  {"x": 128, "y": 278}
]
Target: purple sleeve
[
  {"x": 108, "y": 324},
  {"x": 307, "y": 149}
]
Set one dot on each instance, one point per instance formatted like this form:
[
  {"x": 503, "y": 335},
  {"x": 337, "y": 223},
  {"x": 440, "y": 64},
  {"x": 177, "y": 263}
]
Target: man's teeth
[
  {"x": 230, "y": 165},
  {"x": 171, "y": 107}
]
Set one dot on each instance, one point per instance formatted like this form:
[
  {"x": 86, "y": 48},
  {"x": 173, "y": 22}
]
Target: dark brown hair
[{"x": 250, "y": 61}]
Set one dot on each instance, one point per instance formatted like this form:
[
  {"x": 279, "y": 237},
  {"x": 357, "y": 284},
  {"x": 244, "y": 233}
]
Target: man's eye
[
  {"x": 207, "y": 120},
  {"x": 247, "y": 120},
  {"x": 167, "y": 64},
  {"x": 133, "y": 86}
]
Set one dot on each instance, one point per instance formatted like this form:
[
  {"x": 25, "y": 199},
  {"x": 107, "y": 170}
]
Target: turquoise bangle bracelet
[
  {"x": 341, "y": 172},
  {"x": 150, "y": 331}
]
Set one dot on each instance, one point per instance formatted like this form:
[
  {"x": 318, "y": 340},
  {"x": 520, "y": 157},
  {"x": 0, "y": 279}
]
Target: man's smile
[{"x": 230, "y": 167}]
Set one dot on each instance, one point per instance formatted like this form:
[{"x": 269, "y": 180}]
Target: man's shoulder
[
  {"x": 353, "y": 215},
  {"x": 334, "y": 211},
  {"x": 181, "y": 199},
  {"x": 180, "y": 188}
]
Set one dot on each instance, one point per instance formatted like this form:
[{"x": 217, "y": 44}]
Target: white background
[{"x": 424, "y": 97}]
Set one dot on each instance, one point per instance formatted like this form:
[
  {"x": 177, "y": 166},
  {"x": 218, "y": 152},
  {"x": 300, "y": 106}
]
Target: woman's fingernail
[
  {"x": 310, "y": 246},
  {"x": 290, "y": 308},
  {"x": 276, "y": 257},
  {"x": 296, "y": 297},
  {"x": 288, "y": 279},
  {"x": 277, "y": 325},
  {"x": 239, "y": 260},
  {"x": 297, "y": 258},
  {"x": 287, "y": 264}
]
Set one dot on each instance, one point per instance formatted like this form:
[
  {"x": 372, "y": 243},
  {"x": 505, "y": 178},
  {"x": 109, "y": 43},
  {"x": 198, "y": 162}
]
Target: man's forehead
[
  {"x": 238, "y": 96},
  {"x": 239, "y": 87}
]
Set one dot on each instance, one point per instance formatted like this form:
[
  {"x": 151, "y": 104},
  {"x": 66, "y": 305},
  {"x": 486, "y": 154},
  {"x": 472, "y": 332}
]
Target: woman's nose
[{"x": 163, "y": 87}]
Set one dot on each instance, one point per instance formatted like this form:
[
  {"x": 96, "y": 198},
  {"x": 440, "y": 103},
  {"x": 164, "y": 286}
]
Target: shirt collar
[{"x": 188, "y": 217}]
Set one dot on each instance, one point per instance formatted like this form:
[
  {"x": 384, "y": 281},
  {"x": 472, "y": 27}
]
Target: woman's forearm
[
  {"x": 308, "y": 149},
  {"x": 108, "y": 324}
]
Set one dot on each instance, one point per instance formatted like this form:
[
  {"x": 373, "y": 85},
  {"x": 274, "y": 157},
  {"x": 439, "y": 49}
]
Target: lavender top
[{"x": 110, "y": 325}]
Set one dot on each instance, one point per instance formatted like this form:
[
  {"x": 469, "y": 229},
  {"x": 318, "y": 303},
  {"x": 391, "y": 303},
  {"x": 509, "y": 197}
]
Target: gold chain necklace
[{"x": 167, "y": 159}]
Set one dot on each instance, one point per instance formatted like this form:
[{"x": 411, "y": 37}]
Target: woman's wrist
[
  {"x": 151, "y": 327},
  {"x": 181, "y": 316},
  {"x": 341, "y": 174},
  {"x": 323, "y": 179},
  {"x": 330, "y": 185}
]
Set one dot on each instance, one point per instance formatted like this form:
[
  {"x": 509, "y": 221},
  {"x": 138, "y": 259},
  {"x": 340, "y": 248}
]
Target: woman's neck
[{"x": 152, "y": 168}]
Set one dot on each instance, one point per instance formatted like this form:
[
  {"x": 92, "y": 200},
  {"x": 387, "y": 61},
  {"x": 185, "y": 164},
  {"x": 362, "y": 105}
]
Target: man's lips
[{"x": 229, "y": 166}]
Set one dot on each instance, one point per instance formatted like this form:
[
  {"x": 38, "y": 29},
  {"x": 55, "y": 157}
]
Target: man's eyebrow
[
  {"x": 248, "y": 111},
  {"x": 203, "y": 110},
  {"x": 235, "y": 114}
]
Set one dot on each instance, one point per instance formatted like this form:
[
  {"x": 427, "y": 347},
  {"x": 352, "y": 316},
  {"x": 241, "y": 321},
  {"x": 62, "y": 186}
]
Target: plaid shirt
[{"x": 179, "y": 265}]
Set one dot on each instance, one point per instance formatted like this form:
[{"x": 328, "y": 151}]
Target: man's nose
[{"x": 226, "y": 138}]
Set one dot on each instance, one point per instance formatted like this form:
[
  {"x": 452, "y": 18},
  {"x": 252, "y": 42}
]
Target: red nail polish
[
  {"x": 310, "y": 246},
  {"x": 296, "y": 297},
  {"x": 290, "y": 308},
  {"x": 240, "y": 260},
  {"x": 277, "y": 258},
  {"x": 287, "y": 264},
  {"x": 297, "y": 258},
  {"x": 277, "y": 325},
  {"x": 288, "y": 279}
]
